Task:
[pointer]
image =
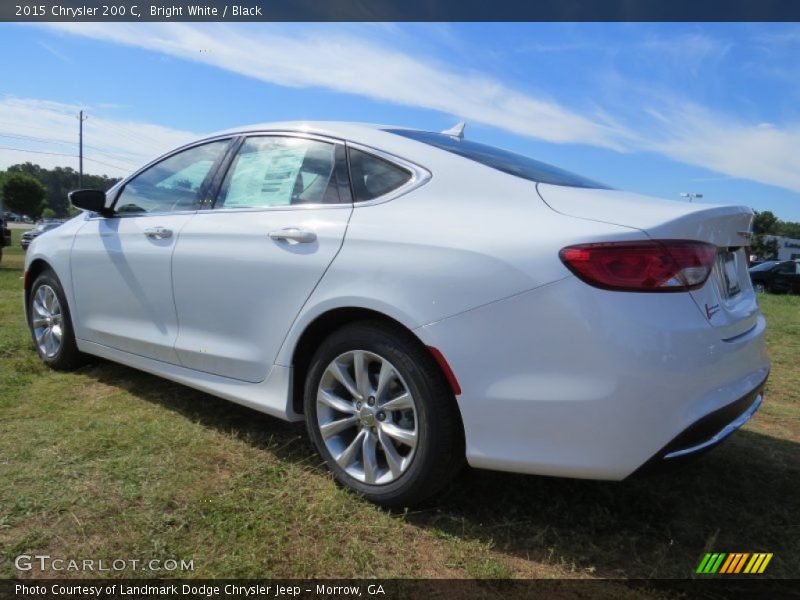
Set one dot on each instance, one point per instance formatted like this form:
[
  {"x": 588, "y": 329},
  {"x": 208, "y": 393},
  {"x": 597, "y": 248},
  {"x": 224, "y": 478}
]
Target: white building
[{"x": 788, "y": 248}]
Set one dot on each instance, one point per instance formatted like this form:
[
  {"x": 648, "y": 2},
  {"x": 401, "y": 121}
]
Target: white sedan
[{"x": 418, "y": 299}]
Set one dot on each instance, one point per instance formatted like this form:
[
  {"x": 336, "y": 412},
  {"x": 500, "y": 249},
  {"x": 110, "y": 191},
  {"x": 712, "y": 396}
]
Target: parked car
[
  {"x": 776, "y": 276},
  {"x": 27, "y": 237},
  {"x": 5, "y": 236},
  {"x": 417, "y": 299}
]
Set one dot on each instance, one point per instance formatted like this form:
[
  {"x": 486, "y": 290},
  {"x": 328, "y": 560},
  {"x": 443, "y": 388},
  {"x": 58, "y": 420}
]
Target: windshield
[
  {"x": 765, "y": 266},
  {"x": 502, "y": 160}
]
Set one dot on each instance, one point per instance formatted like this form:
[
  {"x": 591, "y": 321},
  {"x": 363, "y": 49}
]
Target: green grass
[{"x": 111, "y": 463}]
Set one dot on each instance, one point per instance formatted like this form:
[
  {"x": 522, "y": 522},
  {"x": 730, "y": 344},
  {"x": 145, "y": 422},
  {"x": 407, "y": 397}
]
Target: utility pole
[{"x": 81, "y": 119}]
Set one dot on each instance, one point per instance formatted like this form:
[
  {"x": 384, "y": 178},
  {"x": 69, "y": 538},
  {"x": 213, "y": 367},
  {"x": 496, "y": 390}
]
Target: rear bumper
[
  {"x": 572, "y": 381},
  {"x": 704, "y": 434}
]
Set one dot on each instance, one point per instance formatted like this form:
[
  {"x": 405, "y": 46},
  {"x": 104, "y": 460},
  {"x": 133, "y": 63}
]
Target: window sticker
[{"x": 266, "y": 177}]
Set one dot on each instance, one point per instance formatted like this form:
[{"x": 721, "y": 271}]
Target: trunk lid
[{"x": 727, "y": 299}]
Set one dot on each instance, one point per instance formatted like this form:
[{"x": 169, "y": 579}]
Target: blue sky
[{"x": 653, "y": 108}]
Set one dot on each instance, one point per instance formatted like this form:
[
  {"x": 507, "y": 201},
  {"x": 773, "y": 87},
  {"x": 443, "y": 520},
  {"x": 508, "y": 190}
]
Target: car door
[
  {"x": 244, "y": 268},
  {"x": 783, "y": 277},
  {"x": 122, "y": 265}
]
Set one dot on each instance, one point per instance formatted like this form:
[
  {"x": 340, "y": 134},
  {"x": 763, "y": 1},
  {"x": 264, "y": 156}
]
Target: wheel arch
[
  {"x": 329, "y": 321},
  {"x": 36, "y": 268}
]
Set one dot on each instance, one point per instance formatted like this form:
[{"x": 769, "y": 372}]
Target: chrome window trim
[{"x": 419, "y": 175}]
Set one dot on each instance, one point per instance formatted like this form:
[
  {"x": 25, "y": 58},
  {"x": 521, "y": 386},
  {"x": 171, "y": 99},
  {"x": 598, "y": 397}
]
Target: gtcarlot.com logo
[
  {"x": 44, "y": 562},
  {"x": 734, "y": 563}
]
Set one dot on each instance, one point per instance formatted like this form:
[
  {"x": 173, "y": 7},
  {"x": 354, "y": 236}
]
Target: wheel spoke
[
  {"x": 385, "y": 377},
  {"x": 360, "y": 369},
  {"x": 369, "y": 458},
  {"x": 39, "y": 308},
  {"x": 404, "y": 436},
  {"x": 393, "y": 458},
  {"x": 48, "y": 299},
  {"x": 39, "y": 322},
  {"x": 56, "y": 331},
  {"x": 402, "y": 402},
  {"x": 40, "y": 338},
  {"x": 341, "y": 375},
  {"x": 335, "y": 402},
  {"x": 49, "y": 342},
  {"x": 348, "y": 454},
  {"x": 334, "y": 427}
]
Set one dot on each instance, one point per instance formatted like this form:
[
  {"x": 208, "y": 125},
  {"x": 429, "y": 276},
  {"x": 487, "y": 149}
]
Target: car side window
[
  {"x": 372, "y": 176},
  {"x": 177, "y": 183},
  {"x": 787, "y": 269},
  {"x": 280, "y": 171}
]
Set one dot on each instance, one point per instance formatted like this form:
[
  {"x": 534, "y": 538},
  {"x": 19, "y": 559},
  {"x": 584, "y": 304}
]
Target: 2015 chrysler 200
[{"x": 418, "y": 299}]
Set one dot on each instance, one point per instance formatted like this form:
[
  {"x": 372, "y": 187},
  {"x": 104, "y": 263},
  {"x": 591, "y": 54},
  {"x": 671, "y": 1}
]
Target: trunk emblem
[{"x": 711, "y": 310}]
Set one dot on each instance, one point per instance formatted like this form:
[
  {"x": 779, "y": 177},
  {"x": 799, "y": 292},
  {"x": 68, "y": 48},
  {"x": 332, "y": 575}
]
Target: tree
[
  {"x": 765, "y": 223},
  {"x": 23, "y": 194},
  {"x": 763, "y": 248},
  {"x": 59, "y": 181},
  {"x": 48, "y": 213}
]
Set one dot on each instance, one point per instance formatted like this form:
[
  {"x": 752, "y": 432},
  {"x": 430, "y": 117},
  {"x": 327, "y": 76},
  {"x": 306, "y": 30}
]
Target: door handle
[
  {"x": 293, "y": 234},
  {"x": 158, "y": 233}
]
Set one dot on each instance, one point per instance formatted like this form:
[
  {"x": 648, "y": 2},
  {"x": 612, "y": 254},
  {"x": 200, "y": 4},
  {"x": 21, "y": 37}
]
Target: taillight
[{"x": 646, "y": 266}]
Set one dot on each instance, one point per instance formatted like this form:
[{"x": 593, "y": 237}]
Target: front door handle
[
  {"x": 293, "y": 234},
  {"x": 158, "y": 233}
]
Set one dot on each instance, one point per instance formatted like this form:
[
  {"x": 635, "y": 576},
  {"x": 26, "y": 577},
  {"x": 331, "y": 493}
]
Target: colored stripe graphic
[{"x": 735, "y": 562}]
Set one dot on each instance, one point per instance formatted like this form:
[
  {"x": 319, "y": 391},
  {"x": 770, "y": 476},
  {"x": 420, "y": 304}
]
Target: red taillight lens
[{"x": 647, "y": 266}]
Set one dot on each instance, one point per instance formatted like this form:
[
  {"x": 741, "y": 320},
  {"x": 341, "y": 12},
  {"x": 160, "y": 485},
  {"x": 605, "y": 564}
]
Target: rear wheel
[
  {"x": 51, "y": 325},
  {"x": 381, "y": 415}
]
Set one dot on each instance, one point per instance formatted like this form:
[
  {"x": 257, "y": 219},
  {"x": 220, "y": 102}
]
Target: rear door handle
[
  {"x": 158, "y": 233},
  {"x": 293, "y": 234}
]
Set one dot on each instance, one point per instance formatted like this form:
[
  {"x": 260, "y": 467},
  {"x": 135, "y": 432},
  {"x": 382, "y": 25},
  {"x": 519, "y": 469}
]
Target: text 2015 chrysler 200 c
[{"x": 418, "y": 299}]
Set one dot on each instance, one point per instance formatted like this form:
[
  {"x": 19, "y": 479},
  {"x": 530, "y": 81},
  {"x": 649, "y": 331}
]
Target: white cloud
[
  {"x": 46, "y": 133},
  {"x": 635, "y": 117},
  {"x": 759, "y": 151},
  {"x": 345, "y": 63}
]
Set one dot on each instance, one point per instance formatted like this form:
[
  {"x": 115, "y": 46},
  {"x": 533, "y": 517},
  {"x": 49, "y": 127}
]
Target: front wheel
[
  {"x": 382, "y": 416},
  {"x": 759, "y": 288},
  {"x": 51, "y": 325}
]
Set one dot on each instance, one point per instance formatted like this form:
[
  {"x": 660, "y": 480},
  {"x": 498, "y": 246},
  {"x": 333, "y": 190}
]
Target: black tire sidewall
[
  {"x": 67, "y": 355},
  {"x": 433, "y": 426}
]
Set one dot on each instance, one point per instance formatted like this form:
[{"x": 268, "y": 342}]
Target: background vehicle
[
  {"x": 5, "y": 236},
  {"x": 416, "y": 298},
  {"x": 777, "y": 277},
  {"x": 27, "y": 237}
]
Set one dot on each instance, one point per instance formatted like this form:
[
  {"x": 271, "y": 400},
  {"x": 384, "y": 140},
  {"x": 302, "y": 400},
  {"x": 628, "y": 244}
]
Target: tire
[
  {"x": 415, "y": 401},
  {"x": 759, "y": 288},
  {"x": 48, "y": 315}
]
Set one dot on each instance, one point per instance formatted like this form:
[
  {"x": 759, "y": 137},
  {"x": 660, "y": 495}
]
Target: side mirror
[{"x": 91, "y": 200}]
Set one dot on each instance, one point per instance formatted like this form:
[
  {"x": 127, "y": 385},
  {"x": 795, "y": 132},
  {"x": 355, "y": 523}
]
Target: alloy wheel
[
  {"x": 367, "y": 417},
  {"x": 47, "y": 320}
]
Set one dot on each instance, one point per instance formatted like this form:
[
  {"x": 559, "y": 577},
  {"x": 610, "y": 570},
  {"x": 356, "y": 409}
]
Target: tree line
[
  {"x": 767, "y": 224},
  {"x": 28, "y": 189}
]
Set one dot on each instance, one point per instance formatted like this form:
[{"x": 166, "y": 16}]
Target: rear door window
[{"x": 281, "y": 171}]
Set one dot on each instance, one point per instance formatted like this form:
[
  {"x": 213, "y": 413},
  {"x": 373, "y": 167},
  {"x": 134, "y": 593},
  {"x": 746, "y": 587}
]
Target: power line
[
  {"x": 19, "y": 136},
  {"x": 127, "y": 169}
]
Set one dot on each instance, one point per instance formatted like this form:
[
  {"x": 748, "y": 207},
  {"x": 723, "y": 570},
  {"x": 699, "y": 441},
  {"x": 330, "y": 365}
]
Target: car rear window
[{"x": 502, "y": 160}]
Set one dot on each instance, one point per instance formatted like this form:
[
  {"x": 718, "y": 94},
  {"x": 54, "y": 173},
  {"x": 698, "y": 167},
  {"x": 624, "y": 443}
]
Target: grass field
[{"x": 112, "y": 463}]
